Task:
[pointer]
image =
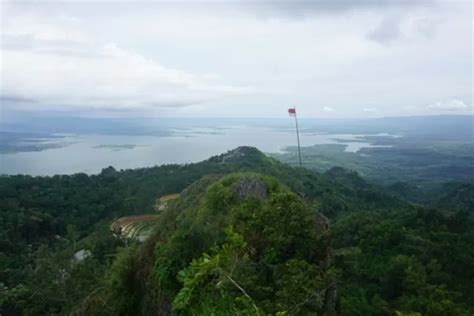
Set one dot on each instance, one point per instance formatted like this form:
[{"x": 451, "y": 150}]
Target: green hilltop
[{"x": 241, "y": 244}]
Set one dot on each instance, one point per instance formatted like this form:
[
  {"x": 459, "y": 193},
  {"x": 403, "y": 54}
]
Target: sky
[{"x": 335, "y": 59}]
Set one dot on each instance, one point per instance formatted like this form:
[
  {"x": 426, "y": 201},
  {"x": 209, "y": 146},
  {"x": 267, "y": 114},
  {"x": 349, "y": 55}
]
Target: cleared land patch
[
  {"x": 137, "y": 226},
  {"x": 162, "y": 203}
]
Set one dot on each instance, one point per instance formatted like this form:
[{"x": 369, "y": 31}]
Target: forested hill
[{"x": 387, "y": 255}]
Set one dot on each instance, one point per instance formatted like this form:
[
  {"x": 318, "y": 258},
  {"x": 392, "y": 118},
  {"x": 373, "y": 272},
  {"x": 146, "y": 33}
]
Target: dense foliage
[
  {"x": 251, "y": 255},
  {"x": 412, "y": 259}
]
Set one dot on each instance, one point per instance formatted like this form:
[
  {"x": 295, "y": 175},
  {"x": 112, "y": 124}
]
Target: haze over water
[{"x": 90, "y": 153}]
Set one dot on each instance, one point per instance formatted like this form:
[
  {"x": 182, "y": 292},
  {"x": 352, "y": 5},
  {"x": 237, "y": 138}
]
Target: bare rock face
[{"x": 249, "y": 187}]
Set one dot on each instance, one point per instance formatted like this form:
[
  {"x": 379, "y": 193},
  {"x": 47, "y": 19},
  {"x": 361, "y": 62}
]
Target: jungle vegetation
[{"x": 248, "y": 235}]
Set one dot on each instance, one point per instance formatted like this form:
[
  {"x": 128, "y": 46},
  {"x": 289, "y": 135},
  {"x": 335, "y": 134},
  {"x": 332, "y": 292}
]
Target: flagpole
[{"x": 298, "y": 138}]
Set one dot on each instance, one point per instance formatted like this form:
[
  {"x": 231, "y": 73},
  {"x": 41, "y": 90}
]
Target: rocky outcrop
[{"x": 247, "y": 187}]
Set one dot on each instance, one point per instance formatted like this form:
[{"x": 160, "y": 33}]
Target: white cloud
[
  {"x": 110, "y": 77},
  {"x": 69, "y": 18},
  {"x": 57, "y": 66},
  {"x": 454, "y": 105},
  {"x": 369, "y": 110},
  {"x": 235, "y": 62},
  {"x": 328, "y": 109}
]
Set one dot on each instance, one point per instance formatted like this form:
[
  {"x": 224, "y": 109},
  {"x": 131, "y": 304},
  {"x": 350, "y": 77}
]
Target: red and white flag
[{"x": 292, "y": 112}]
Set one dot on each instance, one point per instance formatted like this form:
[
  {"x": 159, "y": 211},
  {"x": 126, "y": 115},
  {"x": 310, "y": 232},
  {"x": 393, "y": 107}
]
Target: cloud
[
  {"x": 300, "y": 8},
  {"x": 369, "y": 110},
  {"x": 402, "y": 26},
  {"x": 387, "y": 31},
  {"x": 56, "y": 66},
  {"x": 15, "y": 99},
  {"x": 69, "y": 18},
  {"x": 328, "y": 109},
  {"x": 454, "y": 105},
  {"x": 237, "y": 58},
  {"x": 276, "y": 8}
]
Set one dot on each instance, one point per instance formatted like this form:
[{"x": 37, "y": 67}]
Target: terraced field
[
  {"x": 140, "y": 226},
  {"x": 134, "y": 227}
]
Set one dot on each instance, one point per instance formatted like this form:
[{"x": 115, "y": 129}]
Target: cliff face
[{"x": 239, "y": 244}]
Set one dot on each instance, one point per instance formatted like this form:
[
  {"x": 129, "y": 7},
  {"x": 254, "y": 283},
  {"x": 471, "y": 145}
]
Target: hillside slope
[{"x": 242, "y": 244}]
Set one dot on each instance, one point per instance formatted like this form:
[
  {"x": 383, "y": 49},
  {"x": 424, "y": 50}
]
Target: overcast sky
[{"x": 237, "y": 59}]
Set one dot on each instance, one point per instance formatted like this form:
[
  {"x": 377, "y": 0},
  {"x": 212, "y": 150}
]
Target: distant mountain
[{"x": 435, "y": 127}]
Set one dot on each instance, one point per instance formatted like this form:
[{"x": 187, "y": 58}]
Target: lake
[{"x": 89, "y": 153}]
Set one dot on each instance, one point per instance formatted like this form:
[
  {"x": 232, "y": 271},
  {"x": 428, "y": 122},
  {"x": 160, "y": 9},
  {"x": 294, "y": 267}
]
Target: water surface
[{"x": 90, "y": 153}]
